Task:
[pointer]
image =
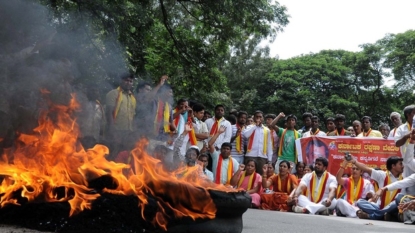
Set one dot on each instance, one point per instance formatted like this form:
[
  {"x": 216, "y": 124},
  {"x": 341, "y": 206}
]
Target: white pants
[
  {"x": 346, "y": 208},
  {"x": 314, "y": 208}
]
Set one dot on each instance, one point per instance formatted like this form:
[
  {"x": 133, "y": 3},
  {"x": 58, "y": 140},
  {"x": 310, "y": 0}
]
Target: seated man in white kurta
[
  {"x": 321, "y": 190},
  {"x": 355, "y": 188}
]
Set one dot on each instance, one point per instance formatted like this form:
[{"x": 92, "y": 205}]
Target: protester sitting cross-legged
[
  {"x": 283, "y": 186},
  {"x": 248, "y": 180},
  {"x": 354, "y": 188},
  {"x": 370, "y": 209},
  {"x": 321, "y": 190}
]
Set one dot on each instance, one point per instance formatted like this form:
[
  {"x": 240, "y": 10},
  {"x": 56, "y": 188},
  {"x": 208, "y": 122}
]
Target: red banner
[{"x": 371, "y": 151}]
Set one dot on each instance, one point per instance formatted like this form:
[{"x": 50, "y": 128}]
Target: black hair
[
  {"x": 330, "y": 119},
  {"x": 257, "y": 112},
  {"x": 408, "y": 110},
  {"x": 194, "y": 149},
  {"x": 323, "y": 160},
  {"x": 286, "y": 162},
  {"x": 240, "y": 113},
  {"x": 291, "y": 116},
  {"x": 226, "y": 144},
  {"x": 181, "y": 101},
  {"x": 315, "y": 118},
  {"x": 316, "y": 142},
  {"x": 305, "y": 115},
  {"x": 251, "y": 160},
  {"x": 298, "y": 164},
  {"x": 367, "y": 117},
  {"x": 127, "y": 75},
  {"x": 311, "y": 167},
  {"x": 198, "y": 107},
  {"x": 208, "y": 113},
  {"x": 340, "y": 117},
  {"x": 270, "y": 115},
  {"x": 141, "y": 85},
  {"x": 203, "y": 155},
  {"x": 393, "y": 160},
  {"x": 219, "y": 106},
  {"x": 232, "y": 119}
]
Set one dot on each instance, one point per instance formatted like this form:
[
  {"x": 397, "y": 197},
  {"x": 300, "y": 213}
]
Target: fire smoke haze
[{"x": 37, "y": 52}]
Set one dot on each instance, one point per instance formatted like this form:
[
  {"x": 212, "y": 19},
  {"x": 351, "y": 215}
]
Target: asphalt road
[{"x": 263, "y": 221}]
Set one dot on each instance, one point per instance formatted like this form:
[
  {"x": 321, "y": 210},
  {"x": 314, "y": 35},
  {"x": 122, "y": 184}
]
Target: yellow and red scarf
[
  {"x": 340, "y": 192},
  {"x": 342, "y": 132},
  {"x": 219, "y": 170},
  {"x": 314, "y": 134},
  {"x": 264, "y": 146},
  {"x": 162, "y": 116},
  {"x": 251, "y": 181},
  {"x": 367, "y": 133},
  {"x": 192, "y": 133},
  {"x": 316, "y": 198},
  {"x": 387, "y": 197},
  {"x": 119, "y": 100},
  {"x": 285, "y": 186},
  {"x": 354, "y": 194},
  {"x": 296, "y": 136},
  {"x": 215, "y": 126},
  {"x": 238, "y": 140}
]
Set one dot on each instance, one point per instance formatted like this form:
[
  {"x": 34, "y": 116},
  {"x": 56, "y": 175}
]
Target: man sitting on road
[{"x": 321, "y": 190}]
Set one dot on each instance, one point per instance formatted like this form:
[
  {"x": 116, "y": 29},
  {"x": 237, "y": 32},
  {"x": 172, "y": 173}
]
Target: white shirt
[
  {"x": 408, "y": 183},
  {"x": 209, "y": 174},
  {"x": 257, "y": 149},
  {"x": 224, "y": 169},
  {"x": 308, "y": 134},
  {"x": 331, "y": 183},
  {"x": 379, "y": 176},
  {"x": 407, "y": 151},
  {"x": 224, "y": 137}
]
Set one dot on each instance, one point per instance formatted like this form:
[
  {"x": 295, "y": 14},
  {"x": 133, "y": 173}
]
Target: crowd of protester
[{"x": 251, "y": 152}]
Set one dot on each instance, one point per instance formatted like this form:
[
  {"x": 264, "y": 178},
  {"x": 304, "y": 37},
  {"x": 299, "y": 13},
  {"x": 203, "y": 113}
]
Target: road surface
[{"x": 263, "y": 221}]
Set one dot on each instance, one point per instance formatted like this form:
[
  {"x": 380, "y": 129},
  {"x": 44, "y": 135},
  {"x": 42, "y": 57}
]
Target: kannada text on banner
[{"x": 371, "y": 151}]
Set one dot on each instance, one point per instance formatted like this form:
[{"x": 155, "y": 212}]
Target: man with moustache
[
  {"x": 321, "y": 190},
  {"x": 367, "y": 129},
  {"x": 339, "y": 122},
  {"x": 396, "y": 121},
  {"x": 217, "y": 121}
]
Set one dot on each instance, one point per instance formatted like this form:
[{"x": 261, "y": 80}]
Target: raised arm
[
  {"x": 340, "y": 172},
  {"x": 152, "y": 94},
  {"x": 361, "y": 166},
  {"x": 211, "y": 144},
  {"x": 235, "y": 177},
  {"x": 273, "y": 124}
]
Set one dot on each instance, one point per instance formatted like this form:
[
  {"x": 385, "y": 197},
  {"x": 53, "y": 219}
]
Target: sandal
[{"x": 362, "y": 215}]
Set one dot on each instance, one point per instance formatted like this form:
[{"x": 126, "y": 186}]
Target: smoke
[{"x": 41, "y": 52}]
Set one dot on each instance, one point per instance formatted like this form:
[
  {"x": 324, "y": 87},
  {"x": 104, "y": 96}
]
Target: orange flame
[{"x": 52, "y": 158}]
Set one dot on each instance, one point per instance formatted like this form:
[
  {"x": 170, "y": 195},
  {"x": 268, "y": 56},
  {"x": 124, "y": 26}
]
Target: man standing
[
  {"x": 274, "y": 137},
  {"x": 340, "y": 131},
  {"x": 396, "y": 121},
  {"x": 120, "y": 110},
  {"x": 355, "y": 188},
  {"x": 403, "y": 140},
  {"x": 307, "y": 122},
  {"x": 215, "y": 122},
  {"x": 331, "y": 126},
  {"x": 259, "y": 142},
  {"x": 314, "y": 131},
  {"x": 286, "y": 149},
  {"x": 237, "y": 140},
  {"x": 370, "y": 209},
  {"x": 200, "y": 128},
  {"x": 321, "y": 190},
  {"x": 367, "y": 128},
  {"x": 223, "y": 165}
]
